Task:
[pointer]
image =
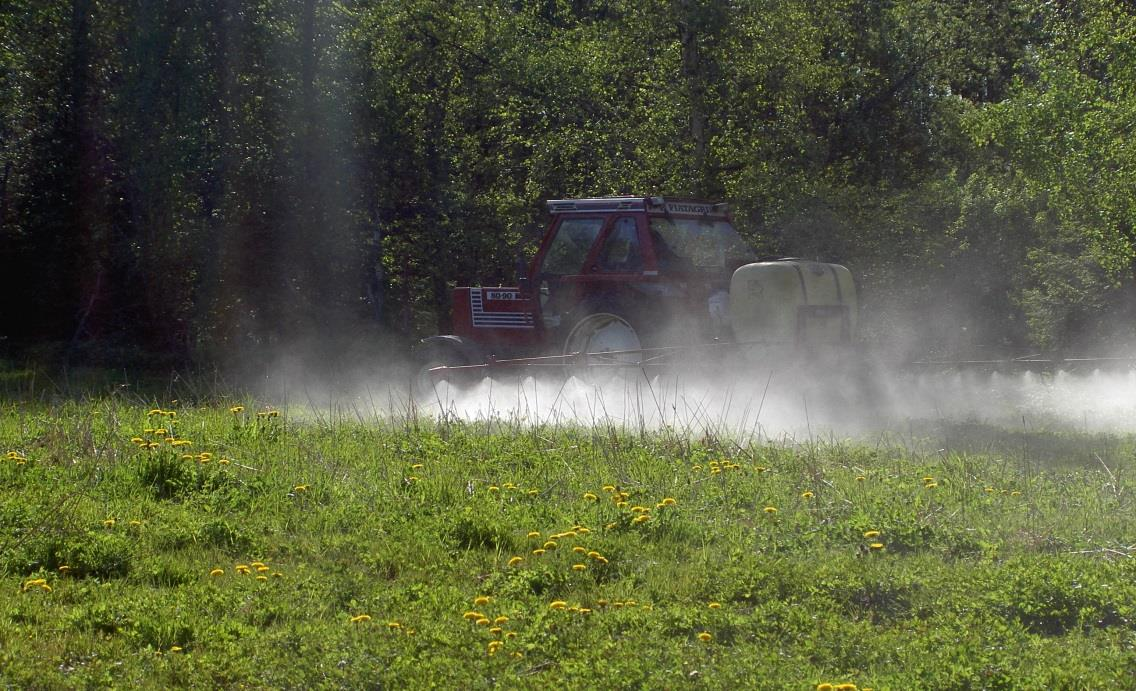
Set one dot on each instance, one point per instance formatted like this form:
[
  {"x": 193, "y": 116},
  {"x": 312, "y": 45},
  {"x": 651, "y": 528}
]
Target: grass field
[{"x": 239, "y": 545}]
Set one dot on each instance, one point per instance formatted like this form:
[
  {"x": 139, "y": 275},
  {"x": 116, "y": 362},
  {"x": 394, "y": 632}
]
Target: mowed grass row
[{"x": 223, "y": 546}]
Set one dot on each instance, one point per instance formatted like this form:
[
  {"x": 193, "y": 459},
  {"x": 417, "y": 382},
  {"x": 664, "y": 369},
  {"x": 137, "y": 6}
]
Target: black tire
[
  {"x": 604, "y": 328},
  {"x": 424, "y": 384}
]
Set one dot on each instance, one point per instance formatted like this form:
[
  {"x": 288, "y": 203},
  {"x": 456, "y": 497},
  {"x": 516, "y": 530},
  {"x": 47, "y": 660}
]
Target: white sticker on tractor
[{"x": 497, "y": 320}]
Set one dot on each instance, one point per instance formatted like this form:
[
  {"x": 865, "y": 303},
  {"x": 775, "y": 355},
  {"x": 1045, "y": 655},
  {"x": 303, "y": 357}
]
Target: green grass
[{"x": 1003, "y": 574}]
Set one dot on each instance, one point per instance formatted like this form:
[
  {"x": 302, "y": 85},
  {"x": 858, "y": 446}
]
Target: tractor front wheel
[{"x": 425, "y": 384}]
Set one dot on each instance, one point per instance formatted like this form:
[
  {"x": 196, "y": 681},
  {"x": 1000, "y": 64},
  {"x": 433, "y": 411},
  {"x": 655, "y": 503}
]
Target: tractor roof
[{"x": 666, "y": 205}]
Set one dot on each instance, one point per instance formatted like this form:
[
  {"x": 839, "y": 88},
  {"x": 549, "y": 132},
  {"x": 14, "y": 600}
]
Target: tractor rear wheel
[{"x": 603, "y": 342}]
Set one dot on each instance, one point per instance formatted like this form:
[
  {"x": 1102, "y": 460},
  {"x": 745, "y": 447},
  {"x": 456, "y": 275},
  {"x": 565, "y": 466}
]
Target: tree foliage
[{"x": 196, "y": 177}]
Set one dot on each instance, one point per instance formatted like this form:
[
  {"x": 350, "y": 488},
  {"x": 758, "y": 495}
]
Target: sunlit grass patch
[{"x": 399, "y": 553}]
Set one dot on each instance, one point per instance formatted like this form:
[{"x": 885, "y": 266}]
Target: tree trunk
[{"x": 694, "y": 80}]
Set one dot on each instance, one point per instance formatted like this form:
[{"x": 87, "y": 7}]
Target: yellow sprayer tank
[{"x": 793, "y": 302}]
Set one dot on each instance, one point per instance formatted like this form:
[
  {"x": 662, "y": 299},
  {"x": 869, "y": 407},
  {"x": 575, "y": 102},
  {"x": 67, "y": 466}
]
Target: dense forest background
[{"x": 203, "y": 179}]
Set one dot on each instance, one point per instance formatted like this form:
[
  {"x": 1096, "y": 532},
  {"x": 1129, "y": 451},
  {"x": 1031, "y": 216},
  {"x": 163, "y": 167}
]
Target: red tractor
[{"x": 632, "y": 282}]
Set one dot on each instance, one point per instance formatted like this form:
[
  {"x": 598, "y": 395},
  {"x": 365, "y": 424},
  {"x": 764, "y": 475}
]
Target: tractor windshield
[{"x": 693, "y": 244}]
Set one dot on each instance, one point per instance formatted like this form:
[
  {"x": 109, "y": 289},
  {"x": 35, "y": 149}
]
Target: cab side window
[
  {"x": 620, "y": 251},
  {"x": 569, "y": 249}
]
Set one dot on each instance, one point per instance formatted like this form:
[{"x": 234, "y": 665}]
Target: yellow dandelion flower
[
  {"x": 705, "y": 637},
  {"x": 34, "y": 583},
  {"x": 496, "y": 630},
  {"x": 510, "y": 634},
  {"x": 133, "y": 440},
  {"x": 807, "y": 495},
  {"x": 639, "y": 509},
  {"x": 361, "y": 619},
  {"x": 696, "y": 467},
  {"x": 1015, "y": 493},
  {"x": 871, "y": 533},
  {"x": 472, "y": 616},
  {"x": 509, "y": 485},
  {"x": 601, "y": 603},
  {"x": 579, "y": 550},
  {"x": 770, "y": 509},
  {"x": 45, "y": 587},
  {"x": 642, "y": 518},
  {"x": 931, "y": 485},
  {"x": 876, "y": 546},
  {"x": 261, "y": 569},
  {"x": 928, "y": 478},
  {"x": 574, "y": 608},
  {"x": 175, "y": 648},
  {"x": 188, "y": 457},
  {"x": 153, "y": 445},
  {"x": 494, "y": 488},
  {"x": 579, "y": 567},
  {"x": 558, "y": 604},
  {"x": 262, "y": 578},
  {"x": 715, "y": 605},
  {"x": 515, "y": 560},
  {"x": 277, "y": 574},
  {"x": 108, "y": 523},
  {"x": 394, "y": 625},
  {"x": 845, "y": 687},
  {"x": 64, "y": 568},
  {"x": 301, "y": 488},
  {"x": 630, "y": 603},
  {"x": 609, "y": 526},
  {"x": 205, "y": 455},
  {"x": 590, "y": 496},
  {"x": 609, "y": 488},
  {"x": 217, "y": 572},
  {"x": 537, "y": 552},
  {"x": 669, "y": 501},
  {"x": 494, "y": 646},
  {"x": 989, "y": 490},
  {"x": 860, "y": 478},
  {"x": 182, "y": 442},
  {"x": 593, "y": 554},
  {"x": 500, "y": 620},
  {"x": 242, "y": 568},
  {"x": 585, "y": 610},
  {"x": 484, "y": 621},
  {"x": 155, "y": 411},
  {"x": 602, "y": 560},
  {"x": 568, "y": 533},
  {"x": 237, "y": 409},
  {"x": 825, "y": 687},
  {"x": 417, "y": 466},
  {"x": 533, "y": 492},
  {"x": 533, "y": 534},
  {"x": 481, "y": 600},
  {"x": 224, "y": 461},
  {"x": 551, "y": 544},
  {"x": 621, "y": 504},
  {"x": 161, "y": 431}
]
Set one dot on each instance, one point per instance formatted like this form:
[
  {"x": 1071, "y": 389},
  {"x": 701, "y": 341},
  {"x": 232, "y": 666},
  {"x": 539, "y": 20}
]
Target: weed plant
[{"x": 232, "y": 545}]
